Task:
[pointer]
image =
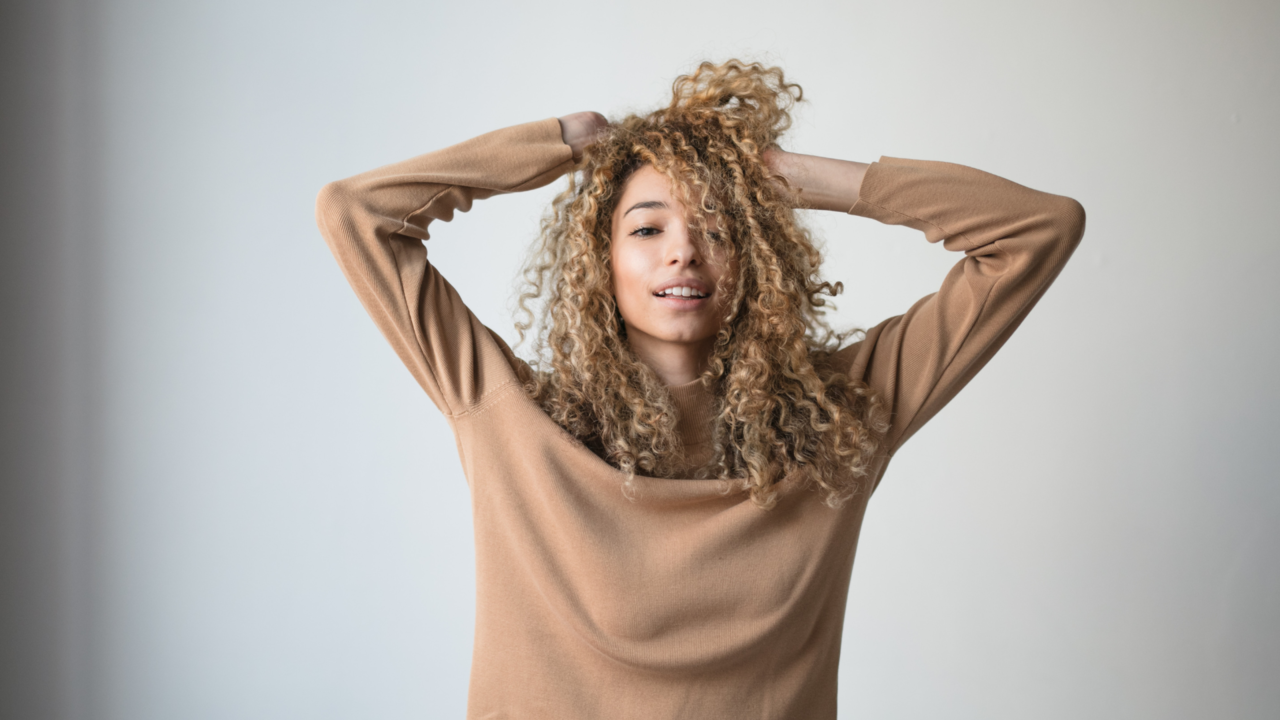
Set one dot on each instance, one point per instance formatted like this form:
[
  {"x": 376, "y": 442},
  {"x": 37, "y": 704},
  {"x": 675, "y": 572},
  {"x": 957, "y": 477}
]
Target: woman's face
[{"x": 664, "y": 277}]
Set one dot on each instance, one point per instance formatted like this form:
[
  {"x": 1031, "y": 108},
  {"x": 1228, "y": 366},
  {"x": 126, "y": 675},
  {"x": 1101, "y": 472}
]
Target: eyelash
[{"x": 638, "y": 232}]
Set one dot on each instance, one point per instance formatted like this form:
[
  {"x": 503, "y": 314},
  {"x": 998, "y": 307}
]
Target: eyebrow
[{"x": 646, "y": 205}]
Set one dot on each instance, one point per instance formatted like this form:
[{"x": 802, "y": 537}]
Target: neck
[{"x": 675, "y": 363}]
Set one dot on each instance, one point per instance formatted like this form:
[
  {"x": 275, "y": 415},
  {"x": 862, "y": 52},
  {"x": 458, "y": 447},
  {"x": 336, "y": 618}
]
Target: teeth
[{"x": 682, "y": 292}]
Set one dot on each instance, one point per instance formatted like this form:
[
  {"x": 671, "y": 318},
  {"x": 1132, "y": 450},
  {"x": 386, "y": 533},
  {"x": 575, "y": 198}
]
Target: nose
[{"x": 681, "y": 249}]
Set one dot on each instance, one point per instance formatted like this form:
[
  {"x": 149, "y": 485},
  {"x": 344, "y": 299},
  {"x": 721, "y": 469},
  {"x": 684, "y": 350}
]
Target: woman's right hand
[{"x": 580, "y": 129}]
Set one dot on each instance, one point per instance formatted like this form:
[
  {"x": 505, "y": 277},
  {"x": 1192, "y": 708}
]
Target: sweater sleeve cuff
[
  {"x": 915, "y": 193},
  {"x": 875, "y": 185}
]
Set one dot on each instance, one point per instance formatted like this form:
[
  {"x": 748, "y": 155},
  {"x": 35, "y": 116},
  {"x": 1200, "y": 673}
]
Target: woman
[{"x": 668, "y": 502}]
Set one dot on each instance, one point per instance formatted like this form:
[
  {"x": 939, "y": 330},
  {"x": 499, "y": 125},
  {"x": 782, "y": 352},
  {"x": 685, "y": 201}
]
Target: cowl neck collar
[{"x": 695, "y": 407}]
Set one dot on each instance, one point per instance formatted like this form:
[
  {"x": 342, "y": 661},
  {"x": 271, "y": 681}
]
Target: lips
[{"x": 683, "y": 288}]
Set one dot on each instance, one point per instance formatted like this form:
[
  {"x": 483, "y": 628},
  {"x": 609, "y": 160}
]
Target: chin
[{"x": 686, "y": 338}]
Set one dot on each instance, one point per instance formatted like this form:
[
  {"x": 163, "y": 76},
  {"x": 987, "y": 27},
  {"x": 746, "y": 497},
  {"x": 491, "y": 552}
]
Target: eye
[{"x": 645, "y": 231}]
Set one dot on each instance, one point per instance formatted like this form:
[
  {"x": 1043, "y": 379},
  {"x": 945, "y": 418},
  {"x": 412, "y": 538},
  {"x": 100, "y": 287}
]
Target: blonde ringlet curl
[{"x": 780, "y": 409}]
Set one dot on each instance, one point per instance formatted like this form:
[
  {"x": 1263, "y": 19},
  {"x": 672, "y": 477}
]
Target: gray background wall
[{"x": 224, "y": 498}]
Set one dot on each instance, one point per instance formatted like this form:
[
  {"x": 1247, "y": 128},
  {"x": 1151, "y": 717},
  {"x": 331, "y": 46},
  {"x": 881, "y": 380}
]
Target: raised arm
[
  {"x": 375, "y": 223},
  {"x": 1015, "y": 240}
]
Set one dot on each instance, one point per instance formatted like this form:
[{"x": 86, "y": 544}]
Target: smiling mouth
[{"x": 682, "y": 293}]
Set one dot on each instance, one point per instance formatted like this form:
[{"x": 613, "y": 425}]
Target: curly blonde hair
[{"x": 779, "y": 408}]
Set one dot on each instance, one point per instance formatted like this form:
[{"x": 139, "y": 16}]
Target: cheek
[
  {"x": 627, "y": 278},
  {"x": 630, "y": 284}
]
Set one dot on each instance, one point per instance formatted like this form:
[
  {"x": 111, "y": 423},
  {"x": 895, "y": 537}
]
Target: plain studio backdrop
[{"x": 224, "y": 497}]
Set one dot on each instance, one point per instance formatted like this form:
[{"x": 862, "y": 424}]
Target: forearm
[
  {"x": 968, "y": 209},
  {"x": 407, "y": 196},
  {"x": 821, "y": 183}
]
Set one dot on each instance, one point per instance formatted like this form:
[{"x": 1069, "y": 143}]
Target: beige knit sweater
[{"x": 684, "y": 602}]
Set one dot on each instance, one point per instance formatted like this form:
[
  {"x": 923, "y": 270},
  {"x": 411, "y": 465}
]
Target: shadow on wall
[{"x": 46, "y": 446}]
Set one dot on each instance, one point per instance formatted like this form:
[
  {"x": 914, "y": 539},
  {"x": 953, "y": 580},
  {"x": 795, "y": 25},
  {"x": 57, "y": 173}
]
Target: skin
[{"x": 653, "y": 246}]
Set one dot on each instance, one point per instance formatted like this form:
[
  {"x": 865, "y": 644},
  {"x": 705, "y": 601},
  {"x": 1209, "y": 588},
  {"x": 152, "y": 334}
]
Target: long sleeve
[
  {"x": 1015, "y": 240},
  {"x": 375, "y": 224}
]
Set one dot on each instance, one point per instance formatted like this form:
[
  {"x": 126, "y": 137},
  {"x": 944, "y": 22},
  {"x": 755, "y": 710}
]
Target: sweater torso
[{"x": 683, "y": 600}]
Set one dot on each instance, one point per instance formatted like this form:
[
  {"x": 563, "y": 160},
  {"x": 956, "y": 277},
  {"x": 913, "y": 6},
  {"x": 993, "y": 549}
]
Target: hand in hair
[{"x": 579, "y": 129}]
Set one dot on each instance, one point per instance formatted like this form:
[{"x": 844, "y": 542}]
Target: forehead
[{"x": 645, "y": 184}]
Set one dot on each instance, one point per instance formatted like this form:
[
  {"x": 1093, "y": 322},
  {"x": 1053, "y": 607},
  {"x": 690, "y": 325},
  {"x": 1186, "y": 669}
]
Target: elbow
[
  {"x": 1059, "y": 225},
  {"x": 333, "y": 205},
  {"x": 1070, "y": 220}
]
